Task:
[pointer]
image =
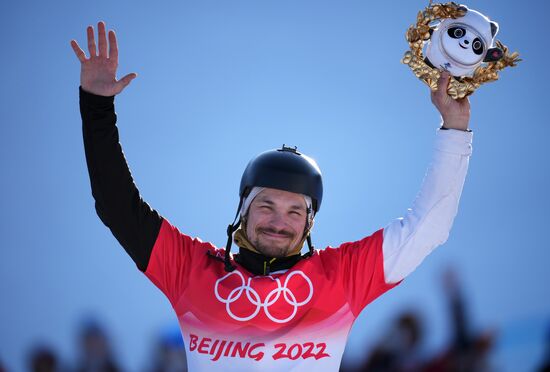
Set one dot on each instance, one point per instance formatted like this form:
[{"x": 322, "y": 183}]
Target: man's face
[{"x": 276, "y": 222}]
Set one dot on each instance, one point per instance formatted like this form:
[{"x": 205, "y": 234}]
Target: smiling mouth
[
  {"x": 275, "y": 235},
  {"x": 462, "y": 46}
]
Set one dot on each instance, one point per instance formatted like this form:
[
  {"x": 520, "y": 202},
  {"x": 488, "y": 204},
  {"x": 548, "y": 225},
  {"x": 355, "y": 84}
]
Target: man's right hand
[{"x": 98, "y": 72}]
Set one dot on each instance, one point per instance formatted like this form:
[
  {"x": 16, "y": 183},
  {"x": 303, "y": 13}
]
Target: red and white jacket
[{"x": 292, "y": 320}]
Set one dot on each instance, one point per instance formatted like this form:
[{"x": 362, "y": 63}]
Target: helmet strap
[
  {"x": 310, "y": 246},
  {"x": 229, "y": 267}
]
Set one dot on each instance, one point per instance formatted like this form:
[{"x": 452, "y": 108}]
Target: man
[{"x": 269, "y": 307}]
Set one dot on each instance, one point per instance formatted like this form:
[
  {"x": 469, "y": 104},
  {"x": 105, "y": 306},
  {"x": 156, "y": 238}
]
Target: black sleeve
[{"x": 117, "y": 200}]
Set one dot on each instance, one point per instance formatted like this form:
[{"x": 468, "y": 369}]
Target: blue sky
[{"x": 222, "y": 81}]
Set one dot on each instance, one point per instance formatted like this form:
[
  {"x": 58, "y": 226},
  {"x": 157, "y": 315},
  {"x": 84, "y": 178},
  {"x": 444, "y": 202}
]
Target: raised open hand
[
  {"x": 98, "y": 72},
  {"x": 455, "y": 112}
]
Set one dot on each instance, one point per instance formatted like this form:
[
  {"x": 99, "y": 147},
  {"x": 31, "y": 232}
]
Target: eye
[
  {"x": 477, "y": 46},
  {"x": 456, "y": 32}
]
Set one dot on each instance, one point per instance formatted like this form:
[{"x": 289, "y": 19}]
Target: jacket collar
[{"x": 259, "y": 264}]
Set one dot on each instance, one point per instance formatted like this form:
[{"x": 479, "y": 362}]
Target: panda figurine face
[{"x": 461, "y": 45}]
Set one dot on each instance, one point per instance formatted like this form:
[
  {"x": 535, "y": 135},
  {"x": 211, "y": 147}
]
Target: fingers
[
  {"x": 440, "y": 95},
  {"x": 102, "y": 39},
  {"x": 102, "y": 46},
  {"x": 78, "y": 51},
  {"x": 128, "y": 78},
  {"x": 442, "y": 84},
  {"x": 91, "y": 41},
  {"x": 113, "y": 46},
  {"x": 122, "y": 83}
]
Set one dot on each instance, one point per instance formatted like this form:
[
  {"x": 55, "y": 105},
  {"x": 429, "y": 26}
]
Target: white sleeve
[{"x": 408, "y": 240}]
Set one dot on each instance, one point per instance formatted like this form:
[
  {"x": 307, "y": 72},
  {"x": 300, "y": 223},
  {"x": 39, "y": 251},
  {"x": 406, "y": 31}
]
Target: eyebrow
[{"x": 265, "y": 200}]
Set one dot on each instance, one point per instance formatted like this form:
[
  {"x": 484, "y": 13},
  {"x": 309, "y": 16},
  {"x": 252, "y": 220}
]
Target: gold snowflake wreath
[{"x": 461, "y": 87}]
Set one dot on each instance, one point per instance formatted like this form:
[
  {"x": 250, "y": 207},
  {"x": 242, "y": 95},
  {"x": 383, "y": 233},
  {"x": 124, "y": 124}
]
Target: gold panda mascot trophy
[{"x": 458, "y": 40}]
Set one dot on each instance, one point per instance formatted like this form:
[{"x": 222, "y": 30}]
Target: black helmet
[{"x": 284, "y": 169}]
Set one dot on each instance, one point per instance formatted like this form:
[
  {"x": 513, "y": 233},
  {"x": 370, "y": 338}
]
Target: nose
[
  {"x": 466, "y": 42},
  {"x": 277, "y": 221}
]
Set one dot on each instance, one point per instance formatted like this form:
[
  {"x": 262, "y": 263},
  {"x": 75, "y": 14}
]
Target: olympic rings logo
[{"x": 254, "y": 298}]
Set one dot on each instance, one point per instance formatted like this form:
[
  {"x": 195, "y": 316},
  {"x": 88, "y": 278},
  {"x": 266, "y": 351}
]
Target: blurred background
[{"x": 221, "y": 81}]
